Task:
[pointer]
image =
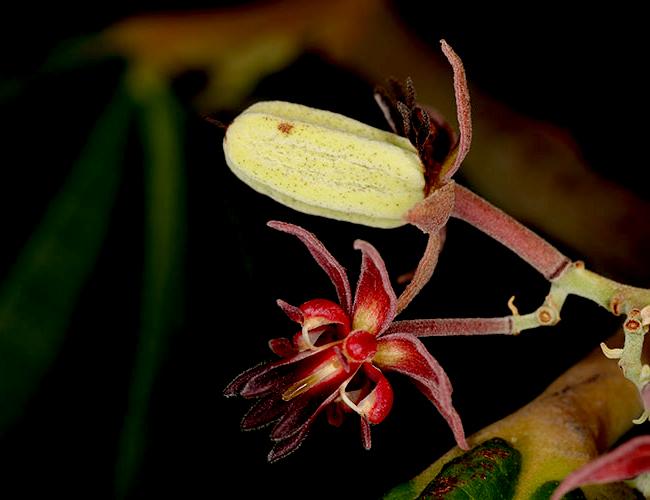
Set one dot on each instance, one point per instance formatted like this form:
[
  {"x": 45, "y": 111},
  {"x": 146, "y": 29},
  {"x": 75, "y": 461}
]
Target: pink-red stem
[
  {"x": 423, "y": 272},
  {"x": 540, "y": 254},
  {"x": 441, "y": 327}
]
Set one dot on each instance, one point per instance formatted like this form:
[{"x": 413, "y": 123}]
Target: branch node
[
  {"x": 632, "y": 325},
  {"x": 548, "y": 314}
]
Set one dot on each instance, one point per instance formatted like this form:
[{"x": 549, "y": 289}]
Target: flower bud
[{"x": 324, "y": 163}]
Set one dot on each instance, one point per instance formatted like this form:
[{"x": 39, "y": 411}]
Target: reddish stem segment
[
  {"x": 423, "y": 272},
  {"x": 441, "y": 327},
  {"x": 540, "y": 254}
]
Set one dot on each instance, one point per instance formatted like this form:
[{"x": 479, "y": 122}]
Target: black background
[{"x": 581, "y": 70}]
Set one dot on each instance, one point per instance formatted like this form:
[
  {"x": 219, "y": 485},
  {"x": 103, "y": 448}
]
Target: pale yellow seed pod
[{"x": 324, "y": 163}]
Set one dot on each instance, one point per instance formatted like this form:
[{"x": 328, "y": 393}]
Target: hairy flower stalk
[{"x": 544, "y": 257}]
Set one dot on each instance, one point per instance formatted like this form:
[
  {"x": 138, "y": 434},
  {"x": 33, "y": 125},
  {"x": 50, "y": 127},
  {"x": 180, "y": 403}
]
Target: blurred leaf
[
  {"x": 161, "y": 123},
  {"x": 546, "y": 490},
  {"x": 39, "y": 295},
  {"x": 236, "y": 47}
]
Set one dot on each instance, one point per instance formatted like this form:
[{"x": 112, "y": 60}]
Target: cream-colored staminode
[{"x": 324, "y": 163}]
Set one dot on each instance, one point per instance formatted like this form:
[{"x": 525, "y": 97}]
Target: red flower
[{"x": 337, "y": 361}]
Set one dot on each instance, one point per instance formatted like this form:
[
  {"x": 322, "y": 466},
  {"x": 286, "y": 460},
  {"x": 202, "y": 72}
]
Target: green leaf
[
  {"x": 161, "y": 122},
  {"x": 38, "y": 296},
  {"x": 487, "y": 472},
  {"x": 545, "y": 491},
  {"x": 404, "y": 491}
]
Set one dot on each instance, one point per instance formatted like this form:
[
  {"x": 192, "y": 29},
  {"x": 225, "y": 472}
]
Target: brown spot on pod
[{"x": 285, "y": 127}]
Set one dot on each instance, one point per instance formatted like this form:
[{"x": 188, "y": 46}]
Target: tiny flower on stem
[{"x": 336, "y": 362}]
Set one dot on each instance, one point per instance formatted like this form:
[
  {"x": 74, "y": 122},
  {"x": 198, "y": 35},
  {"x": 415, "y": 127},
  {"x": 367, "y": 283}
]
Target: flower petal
[
  {"x": 365, "y": 433},
  {"x": 375, "y": 303},
  {"x": 320, "y": 312},
  {"x": 625, "y": 462},
  {"x": 405, "y": 354},
  {"x": 335, "y": 413},
  {"x": 376, "y": 405},
  {"x": 294, "y": 413},
  {"x": 283, "y": 347},
  {"x": 279, "y": 375},
  {"x": 242, "y": 379},
  {"x": 463, "y": 110},
  {"x": 294, "y": 313},
  {"x": 286, "y": 446},
  {"x": 293, "y": 440},
  {"x": 264, "y": 411},
  {"x": 330, "y": 265},
  {"x": 303, "y": 408}
]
